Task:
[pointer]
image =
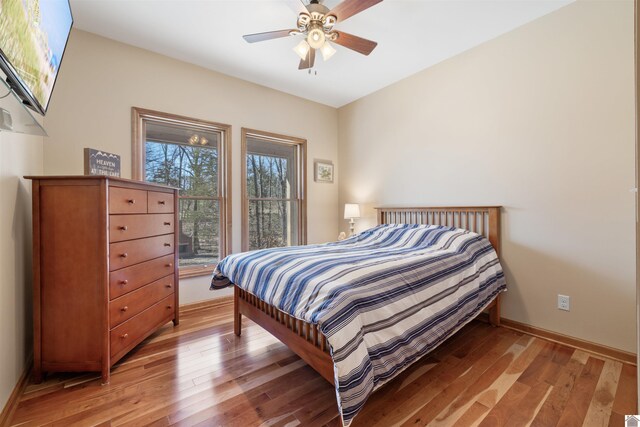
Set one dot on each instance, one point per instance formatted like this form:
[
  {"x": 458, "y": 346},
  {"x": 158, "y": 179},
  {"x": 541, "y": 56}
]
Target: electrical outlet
[{"x": 564, "y": 302}]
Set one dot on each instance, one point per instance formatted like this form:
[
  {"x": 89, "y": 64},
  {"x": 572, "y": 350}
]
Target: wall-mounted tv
[{"x": 33, "y": 37}]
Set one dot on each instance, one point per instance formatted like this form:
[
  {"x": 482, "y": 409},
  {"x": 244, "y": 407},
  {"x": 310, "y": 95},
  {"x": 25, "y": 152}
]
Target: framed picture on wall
[{"x": 323, "y": 171}]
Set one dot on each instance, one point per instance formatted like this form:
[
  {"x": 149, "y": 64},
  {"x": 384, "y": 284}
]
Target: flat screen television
[{"x": 33, "y": 37}]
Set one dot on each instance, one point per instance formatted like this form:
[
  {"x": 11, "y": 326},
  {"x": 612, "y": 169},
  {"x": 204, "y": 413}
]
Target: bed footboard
[
  {"x": 301, "y": 337},
  {"x": 494, "y": 311}
]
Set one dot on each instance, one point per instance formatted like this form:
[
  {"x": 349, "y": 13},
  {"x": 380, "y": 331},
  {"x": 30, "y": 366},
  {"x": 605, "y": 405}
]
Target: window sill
[{"x": 196, "y": 272}]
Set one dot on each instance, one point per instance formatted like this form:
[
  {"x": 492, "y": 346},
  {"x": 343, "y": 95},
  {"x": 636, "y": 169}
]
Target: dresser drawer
[
  {"x": 129, "y": 305},
  {"x": 134, "y": 330},
  {"x": 127, "y": 200},
  {"x": 127, "y": 227},
  {"x": 131, "y": 278},
  {"x": 160, "y": 202},
  {"x": 124, "y": 254}
]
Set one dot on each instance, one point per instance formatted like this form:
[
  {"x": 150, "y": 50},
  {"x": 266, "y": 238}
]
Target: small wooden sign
[{"x": 98, "y": 162}]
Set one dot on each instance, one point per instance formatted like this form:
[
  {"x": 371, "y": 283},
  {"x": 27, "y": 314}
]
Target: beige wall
[
  {"x": 541, "y": 121},
  {"x": 19, "y": 155},
  {"x": 100, "y": 80}
]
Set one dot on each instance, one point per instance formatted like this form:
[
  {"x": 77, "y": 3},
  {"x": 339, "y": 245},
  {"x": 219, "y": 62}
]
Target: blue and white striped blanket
[{"x": 383, "y": 298}]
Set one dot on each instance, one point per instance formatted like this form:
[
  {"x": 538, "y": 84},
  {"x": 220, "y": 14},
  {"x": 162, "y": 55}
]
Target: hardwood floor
[{"x": 200, "y": 373}]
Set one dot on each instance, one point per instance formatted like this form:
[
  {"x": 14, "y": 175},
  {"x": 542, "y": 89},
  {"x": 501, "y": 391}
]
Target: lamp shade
[
  {"x": 316, "y": 38},
  {"x": 302, "y": 49},
  {"x": 327, "y": 51},
  {"x": 351, "y": 210}
]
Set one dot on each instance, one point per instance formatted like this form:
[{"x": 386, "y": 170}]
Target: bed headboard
[{"x": 483, "y": 220}]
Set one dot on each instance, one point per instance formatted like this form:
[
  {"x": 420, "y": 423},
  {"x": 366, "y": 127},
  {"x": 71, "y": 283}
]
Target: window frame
[
  {"x": 300, "y": 146},
  {"x": 139, "y": 118}
]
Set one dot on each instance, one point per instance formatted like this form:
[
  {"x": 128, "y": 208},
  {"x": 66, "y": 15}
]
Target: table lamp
[{"x": 351, "y": 211}]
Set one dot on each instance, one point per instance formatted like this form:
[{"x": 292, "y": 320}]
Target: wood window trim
[
  {"x": 185, "y": 273},
  {"x": 301, "y": 187},
  {"x": 138, "y": 118}
]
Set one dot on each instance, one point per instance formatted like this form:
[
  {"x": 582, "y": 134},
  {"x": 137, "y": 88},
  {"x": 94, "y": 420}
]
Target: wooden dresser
[{"x": 105, "y": 272}]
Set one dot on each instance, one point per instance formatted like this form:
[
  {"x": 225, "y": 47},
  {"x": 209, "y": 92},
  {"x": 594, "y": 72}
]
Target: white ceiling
[{"x": 411, "y": 34}]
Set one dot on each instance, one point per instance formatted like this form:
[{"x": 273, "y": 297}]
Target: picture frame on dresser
[{"x": 105, "y": 269}]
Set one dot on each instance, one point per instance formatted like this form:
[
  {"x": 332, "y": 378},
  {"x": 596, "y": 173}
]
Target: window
[
  {"x": 191, "y": 155},
  {"x": 273, "y": 190}
]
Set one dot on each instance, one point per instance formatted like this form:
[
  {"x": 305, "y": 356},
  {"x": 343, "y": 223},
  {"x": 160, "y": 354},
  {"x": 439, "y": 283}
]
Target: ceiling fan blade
[
  {"x": 298, "y": 6},
  {"x": 348, "y": 8},
  {"x": 260, "y": 37},
  {"x": 308, "y": 61},
  {"x": 356, "y": 43}
]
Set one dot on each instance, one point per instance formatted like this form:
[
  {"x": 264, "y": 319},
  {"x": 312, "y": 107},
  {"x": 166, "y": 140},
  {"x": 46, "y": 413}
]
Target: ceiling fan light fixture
[
  {"x": 327, "y": 50},
  {"x": 302, "y": 49},
  {"x": 316, "y": 38}
]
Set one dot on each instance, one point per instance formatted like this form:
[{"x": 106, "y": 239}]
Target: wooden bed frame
[{"x": 306, "y": 340}]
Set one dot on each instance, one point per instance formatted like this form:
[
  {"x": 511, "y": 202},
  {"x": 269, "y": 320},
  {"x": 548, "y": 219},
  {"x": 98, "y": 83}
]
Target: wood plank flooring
[{"x": 201, "y": 374}]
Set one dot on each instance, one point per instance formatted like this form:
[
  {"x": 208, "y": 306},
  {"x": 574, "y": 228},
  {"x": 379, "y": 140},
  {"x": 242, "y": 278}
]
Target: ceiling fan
[{"x": 316, "y": 22}]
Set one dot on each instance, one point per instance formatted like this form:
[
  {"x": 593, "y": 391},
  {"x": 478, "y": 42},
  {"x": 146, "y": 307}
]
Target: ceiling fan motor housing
[
  {"x": 316, "y": 18},
  {"x": 317, "y": 8}
]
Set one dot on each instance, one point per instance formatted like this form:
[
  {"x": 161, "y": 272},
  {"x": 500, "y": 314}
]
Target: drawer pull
[
  {"x": 169, "y": 285},
  {"x": 131, "y": 201},
  {"x": 125, "y": 308},
  {"x": 161, "y": 202},
  {"x": 124, "y": 255},
  {"x": 167, "y": 223},
  {"x": 125, "y": 336},
  {"x": 168, "y": 265},
  {"x": 124, "y": 282},
  {"x": 168, "y": 307},
  {"x": 167, "y": 244},
  {"x": 123, "y": 228}
]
